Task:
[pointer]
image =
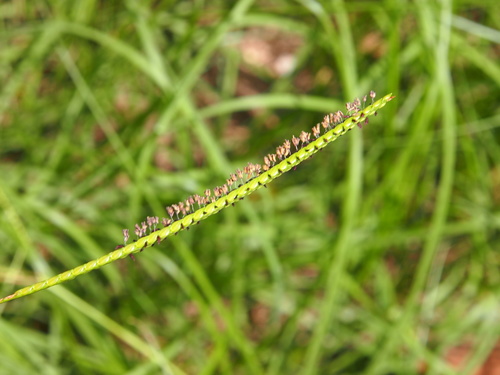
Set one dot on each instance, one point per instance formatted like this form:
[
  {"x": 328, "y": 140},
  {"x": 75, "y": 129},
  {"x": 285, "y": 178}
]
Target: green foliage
[{"x": 376, "y": 257}]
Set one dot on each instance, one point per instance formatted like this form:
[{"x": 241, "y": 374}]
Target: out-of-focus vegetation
[{"x": 378, "y": 256}]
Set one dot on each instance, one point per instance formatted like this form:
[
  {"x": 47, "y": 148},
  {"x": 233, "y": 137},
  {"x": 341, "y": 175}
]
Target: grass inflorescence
[{"x": 241, "y": 183}]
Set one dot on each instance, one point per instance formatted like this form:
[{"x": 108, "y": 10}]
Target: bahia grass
[{"x": 243, "y": 182}]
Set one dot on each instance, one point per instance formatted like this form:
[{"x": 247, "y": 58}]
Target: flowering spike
[{"x": 255, "y": 177}]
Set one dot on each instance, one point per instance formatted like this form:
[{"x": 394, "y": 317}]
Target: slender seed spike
[{"x": 338, "y": 124}]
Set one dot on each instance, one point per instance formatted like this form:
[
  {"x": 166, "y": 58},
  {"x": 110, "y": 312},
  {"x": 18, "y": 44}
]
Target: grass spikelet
[{"x": 240, "y": 184}]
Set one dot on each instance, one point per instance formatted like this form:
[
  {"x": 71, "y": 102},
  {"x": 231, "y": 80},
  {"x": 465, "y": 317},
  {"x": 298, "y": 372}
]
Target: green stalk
[{"x": 212, "y": 208}]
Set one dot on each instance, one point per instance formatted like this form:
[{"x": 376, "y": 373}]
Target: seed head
[{"x": 253, "y": 170}]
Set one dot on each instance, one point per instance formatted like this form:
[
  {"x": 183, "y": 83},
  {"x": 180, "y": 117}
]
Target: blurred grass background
[{"x": 378, "y": 256}]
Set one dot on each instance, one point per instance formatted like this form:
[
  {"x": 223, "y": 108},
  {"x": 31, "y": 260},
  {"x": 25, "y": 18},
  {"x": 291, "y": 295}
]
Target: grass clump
[{"x": 378, "y": 257}]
